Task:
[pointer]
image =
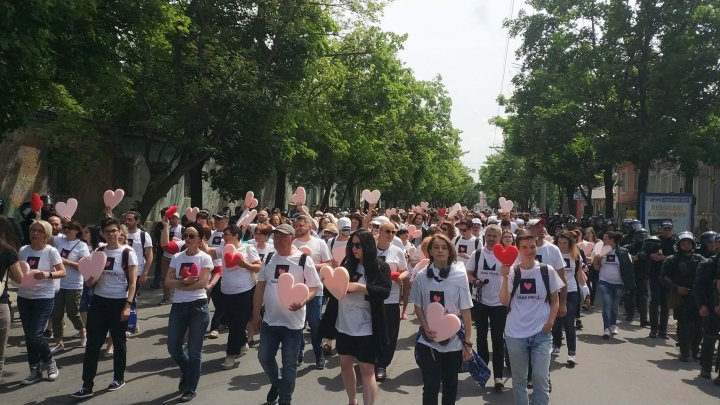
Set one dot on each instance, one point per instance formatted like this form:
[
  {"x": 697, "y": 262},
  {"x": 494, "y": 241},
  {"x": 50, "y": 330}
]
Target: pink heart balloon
[
  {"x": 424, "y": 205},
  {"x": 246, "y": 218},
  {"x": 372, "y": 197},
  {"x": 422, "y": 263},
  {"x": 413, "y": 232},
  {"x": 28, "y": 275},
  {"x": 305, "y": 249},
  {"x": 444, "y": 325},
  {"x": 93, "y": 265},
  {"x": 299, "y": 197},
  {"x": 113, "y": 198},
  {"x": 191, "y": 213},
  {"x": 601, "y": 250},
  {"x": 454, "y": 210},
  {"x": 390, "y": 212},
  {"x": 411, "y": 251},
  {"x": 586, "y": 247},
  {"x": 67, "y": 209},
  {"x": 548, "y": 238},
  {"x": 336, "y": 281},
  {"x": 290, "y": 292},
  {"x": 250, "y": 200},
  {"x": 505, "y": 205}
]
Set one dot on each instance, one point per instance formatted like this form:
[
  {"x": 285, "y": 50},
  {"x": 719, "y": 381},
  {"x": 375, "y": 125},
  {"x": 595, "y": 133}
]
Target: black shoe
[
  {"x": 380, "y": 374},
  {"x": 578, "y": 325},
  {"x": 705, "y": 374},
  {"x": 696, "y": 356},
  {"x": 115, "y": 385},
  {"x": 628, "y": 319},
  {"x": 82, "y": 393},
  {"x": 273, "y": 394},
  {"x": 663, "y": 335},
  {"x": 499, "y": 385},
  {"x": 187, "y": 396},
  {"x": 181, "y": 385},
  {"x": 716, "y": 381},
  {"x": 653, "y": 334}
]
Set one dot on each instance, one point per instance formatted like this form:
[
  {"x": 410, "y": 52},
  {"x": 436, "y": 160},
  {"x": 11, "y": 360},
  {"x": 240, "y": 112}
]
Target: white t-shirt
[
  {"x": 216, "y": 241},
  {"x": 570, "y": 273},
  {"x": 320, "y": 252},
  {"x": 528, "y": 310},
  {"x": 466, "y": 246},
  {"x": 610, "y": 269},
  {"x": 398, "y": 242},
  {"x": 488, "y": 269},
  {"x": 113, "y": 281},
  {"x": 338, "y": 249},
  {"x": 43, "y": 260},
  {"x": 238, "y": 279},
  {"x": 269, "y": 247},
  {"x": 183, "y": 260},
  {"x": 174, "y": 233},
  {"x": 275, "y": 313},
  {"x": 72, "y": 250},
  {"x": 354, "y": 316},
  {"x": 395, "y": 258},
  {"x": 134, "y": 240},
  {"x": 549, "y": 254},
  {"x": 453, "y": 293}
]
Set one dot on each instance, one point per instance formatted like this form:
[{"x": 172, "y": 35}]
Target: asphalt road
[{"x": 629, "y": 369}]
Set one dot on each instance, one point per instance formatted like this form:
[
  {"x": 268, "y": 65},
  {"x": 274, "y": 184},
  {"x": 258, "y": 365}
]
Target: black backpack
[{"x": 545, "y": 277}]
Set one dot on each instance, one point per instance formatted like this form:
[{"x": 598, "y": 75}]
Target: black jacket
[
  {"x": 704, "y": 287},
  {"x": 378, "y": 291}
]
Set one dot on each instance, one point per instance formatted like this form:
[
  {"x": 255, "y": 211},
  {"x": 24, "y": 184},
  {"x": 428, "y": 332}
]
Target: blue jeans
[
  {"x": 611, "y": 297},
  {"x": 537, "y": 350},
  {"x": 34, "y": 314},
  {"x": 193, "y": 317},
  {"x": 271, "y": 337},
  {"x": 312, "y": 315}
]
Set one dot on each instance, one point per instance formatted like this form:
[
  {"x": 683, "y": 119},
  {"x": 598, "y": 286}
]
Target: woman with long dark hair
[
  {"x": 9, "y": 270},
  {"x": 360, "y": 322},
  {"x": 443, "y": 281}
]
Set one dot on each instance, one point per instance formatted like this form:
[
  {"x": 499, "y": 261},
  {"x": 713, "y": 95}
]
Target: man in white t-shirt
[
  {"x": 548, "y": 253},
  {"x": 320, "y": 254},
  {"x": 477, "y": 229},
  {"x": 175, "y": 234},
  {"x": 141, "y": 243},
  {"x": 338, "y": 244},
  {"x": 282, "y": 326},
  {"x": 466, "y": 242}
]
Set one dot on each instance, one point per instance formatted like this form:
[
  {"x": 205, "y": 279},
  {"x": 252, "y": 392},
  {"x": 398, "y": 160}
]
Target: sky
[{"x": 463, "y": 41}]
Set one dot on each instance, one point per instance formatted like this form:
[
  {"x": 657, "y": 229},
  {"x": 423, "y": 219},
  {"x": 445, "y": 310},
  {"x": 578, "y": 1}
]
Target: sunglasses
[
  {"x": 355, "y": 245},
  {"x": 188, "y": 236},
  {"x": 37, "y": 230}
]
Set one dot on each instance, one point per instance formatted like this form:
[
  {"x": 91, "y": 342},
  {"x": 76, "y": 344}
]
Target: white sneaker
[
  {"x": 34, "y": 376},
  {"x": 571, "y": 361},
  {"x": 229, "y": 362},
  {"x": 57, "y": 348},
  {"x": 52, "y": 370},
  {"x": 83, "y": 342},
  {"x": 243, "y": 350},
  {"x": 614, "y": 329},
  {"x": 556, "y": 351},
  {"x": 606, "y": 333}
]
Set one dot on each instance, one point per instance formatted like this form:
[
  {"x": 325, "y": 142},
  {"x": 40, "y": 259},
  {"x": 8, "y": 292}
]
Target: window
[{"x": 624, "y": 180}]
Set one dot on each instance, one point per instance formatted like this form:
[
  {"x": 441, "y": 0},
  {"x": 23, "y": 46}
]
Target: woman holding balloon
[{"x": 439, "y": 351}]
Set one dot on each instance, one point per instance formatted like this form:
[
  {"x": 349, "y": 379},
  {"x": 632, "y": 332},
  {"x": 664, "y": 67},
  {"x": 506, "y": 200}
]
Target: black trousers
[
  {"x": 240, "y": 306},
  {"x": 104, "y": 316},
  {"x": 219, "y": 307},
  {"x": 387, "y": 352},
  {"x": 658, "y": 310},
  {"x": 494, "y": 318},
  {"x": 637, "y": 300},
  {"x": 711, "y": 327},
  {"x": 439, "y": 368}
]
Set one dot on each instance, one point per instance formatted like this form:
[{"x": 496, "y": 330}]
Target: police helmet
[
  {"x": 686, "y": 235},
  {"x": 708, "y": 237}
]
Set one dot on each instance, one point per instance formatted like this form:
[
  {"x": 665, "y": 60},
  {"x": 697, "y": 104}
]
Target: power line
[{"x": 502, "y": 76}]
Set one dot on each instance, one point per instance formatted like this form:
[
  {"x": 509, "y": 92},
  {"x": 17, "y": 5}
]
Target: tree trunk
[
  {"x": 643, "y": 176},
  {"x": 570, "y": 195},
  {"x": 588, "y": 198},
  {"x": 161, "y": 183},
  {"x": 196, "y": 186},
  {"x": 325, "y": 203},
  {"x": 609, "y": 198},
  {"x": 280, "y": 180}
]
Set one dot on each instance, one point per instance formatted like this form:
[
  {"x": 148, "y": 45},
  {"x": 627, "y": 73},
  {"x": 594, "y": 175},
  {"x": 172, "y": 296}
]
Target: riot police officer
[
  {"x": 708, "y": 246},
  {"x": 651, "y": 258},
  {"x": 637, "y": 298},
  {"x": 678, "y": 274},
  {"x": 706, "y": 299}
]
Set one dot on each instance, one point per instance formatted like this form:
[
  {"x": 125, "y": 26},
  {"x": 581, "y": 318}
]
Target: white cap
[
  {"x": 476, "y": 221},
  {"x": 519, "y": 221},
  {"x": 380, "y": 220},
  {"x": 343, "y": 223},
  {"x": 533, "y": 222}
]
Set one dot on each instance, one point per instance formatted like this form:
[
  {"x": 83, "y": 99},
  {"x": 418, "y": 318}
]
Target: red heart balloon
[
  {"x": 185, "y": 273},
  {"x": 505, "y": 256},
  {"x": 36, "y": 202},
  {"x": 395, "y": 275},
  {"x": 232, "y": 260},
  {"x": 192, "y": 271},
  {"x": 172, "y": 247},
  {"x": 171, "y": 211}
]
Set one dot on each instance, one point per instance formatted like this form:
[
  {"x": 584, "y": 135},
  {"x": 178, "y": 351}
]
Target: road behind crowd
[{"x": 629, "y": 369}]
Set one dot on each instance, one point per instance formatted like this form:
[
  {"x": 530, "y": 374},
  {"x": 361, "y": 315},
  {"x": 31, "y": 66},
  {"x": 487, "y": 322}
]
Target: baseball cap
[
  {"x": 221, "y": 214},
  {"x": 285, "y": 229},
  {"x": 344, "y": 225},
  {"x": 533, "y": 222},
  {"x": 380, "y": 220},
  {"x": 667, "y": 224},
  {"x": 176, "y": 214}
]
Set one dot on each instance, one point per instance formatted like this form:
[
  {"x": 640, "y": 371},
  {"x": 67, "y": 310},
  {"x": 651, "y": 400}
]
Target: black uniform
[
  {"x": 705, "y": 289},
  {"x": 679, "y": 270},
  {"x": 637, "y": 298}
]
